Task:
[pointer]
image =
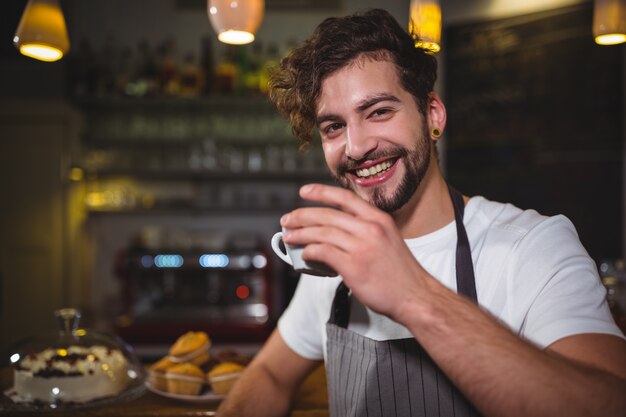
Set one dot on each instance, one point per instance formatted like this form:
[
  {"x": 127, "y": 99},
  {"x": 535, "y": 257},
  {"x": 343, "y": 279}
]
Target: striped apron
[{"x": 393, "y": 377}]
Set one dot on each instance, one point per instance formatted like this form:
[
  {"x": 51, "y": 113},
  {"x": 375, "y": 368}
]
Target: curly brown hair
[{"x": 295, "y": 83}]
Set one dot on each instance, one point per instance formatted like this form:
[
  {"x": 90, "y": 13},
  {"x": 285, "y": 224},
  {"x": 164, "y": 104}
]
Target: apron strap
[
  {"x": 340, "y": 310},
  {"x": 465, "y": 281}
]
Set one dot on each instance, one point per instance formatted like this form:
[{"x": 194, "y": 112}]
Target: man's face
[{"x": 374, "y": 138}]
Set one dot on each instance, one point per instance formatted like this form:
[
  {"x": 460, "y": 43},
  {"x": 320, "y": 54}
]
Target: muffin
[
  {"x": 230, "y": 355},
  {"x": 184, "y": 378},
  {"x": 223, "y": 376},
  {"x": 191, "y": 347},
  {"x": 156, "y": 373}
]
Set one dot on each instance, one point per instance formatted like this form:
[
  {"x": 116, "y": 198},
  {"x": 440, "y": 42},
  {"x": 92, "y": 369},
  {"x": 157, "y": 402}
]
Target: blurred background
[{"x": 144, "y": 173}]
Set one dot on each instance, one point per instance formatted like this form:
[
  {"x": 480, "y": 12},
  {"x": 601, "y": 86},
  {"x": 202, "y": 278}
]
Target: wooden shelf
[
  {"x": 186, "y": 153},
  {"x": 210, "y": 176}
]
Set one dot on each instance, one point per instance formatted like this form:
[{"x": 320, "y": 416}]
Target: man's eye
[
  {"x": 380, "y": 112},
  {"x": 332, "y": 128}
]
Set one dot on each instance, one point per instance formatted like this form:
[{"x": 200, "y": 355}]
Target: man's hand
[{"x": 362, "y": 243}]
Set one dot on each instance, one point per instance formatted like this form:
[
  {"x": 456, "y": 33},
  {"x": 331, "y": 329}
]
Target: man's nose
[{"x": 359, "y": 144}]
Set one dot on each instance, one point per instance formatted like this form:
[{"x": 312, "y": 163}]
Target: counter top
[{"x": 311, "y": 401}]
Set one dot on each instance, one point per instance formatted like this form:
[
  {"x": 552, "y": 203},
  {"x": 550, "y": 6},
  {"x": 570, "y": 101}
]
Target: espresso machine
[{"x": 227, "y": 292}]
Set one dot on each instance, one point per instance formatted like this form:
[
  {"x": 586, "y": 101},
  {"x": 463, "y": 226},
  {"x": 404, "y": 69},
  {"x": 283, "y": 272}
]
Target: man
[{"x": 444, "y": 304}]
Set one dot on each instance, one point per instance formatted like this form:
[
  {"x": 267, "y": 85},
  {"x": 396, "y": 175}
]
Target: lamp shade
[
  {"x": 236, "y": 21},
  {"x": 609, "y": 22},
  {"x": 425, "y": 21},
  {"x": 41, "y": 33}
]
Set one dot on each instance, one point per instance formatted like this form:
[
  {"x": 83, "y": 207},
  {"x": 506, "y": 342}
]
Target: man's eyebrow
[
  {"x": 375, "y": 99},
  {"x": 361, "y": 107}
]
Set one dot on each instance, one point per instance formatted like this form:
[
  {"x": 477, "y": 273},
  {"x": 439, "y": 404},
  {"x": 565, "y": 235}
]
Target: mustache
[{"x": 350, "y": 164}]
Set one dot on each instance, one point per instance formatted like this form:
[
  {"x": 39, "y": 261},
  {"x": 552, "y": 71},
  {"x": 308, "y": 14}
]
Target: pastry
[
  {"x": 184, "y": 378},
  {"x": 231, "y": 356},
  {"x": 74, "y": 374},
  {"x": 223, "y": 376},
  {"x": 156, "y": 373},
  {"x": 191, "y": 347}
]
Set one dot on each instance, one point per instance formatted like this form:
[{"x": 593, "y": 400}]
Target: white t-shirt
[{"x": 531, "y": 272}]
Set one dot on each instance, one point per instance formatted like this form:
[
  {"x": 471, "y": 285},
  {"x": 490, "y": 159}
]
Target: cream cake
[{"x": 75, "y": 374}]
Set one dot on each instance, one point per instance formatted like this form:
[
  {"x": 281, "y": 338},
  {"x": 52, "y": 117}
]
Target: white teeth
[{"x": 373, "y": 170}]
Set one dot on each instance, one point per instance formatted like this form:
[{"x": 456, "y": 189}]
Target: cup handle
[{"x": 276, "y": 247}]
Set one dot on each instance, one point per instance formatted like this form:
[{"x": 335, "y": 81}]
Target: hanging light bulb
[
  {"x": 425, "y": 21},
  {"x": 41, "y": 33},
  {"x": 236, "y": 21},
  {"x": 609, "y": 22}
]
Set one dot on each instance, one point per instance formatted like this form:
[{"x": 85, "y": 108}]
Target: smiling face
[{"x": 375, "y": 140}]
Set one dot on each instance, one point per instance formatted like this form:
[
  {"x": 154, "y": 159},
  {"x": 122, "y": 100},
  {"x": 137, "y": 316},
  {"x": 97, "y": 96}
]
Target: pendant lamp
[
  {"x": 425, "y": 21},
  {"x": 41, "y": 33},
  {"x": 236, "y": 21},
  {"x": 609, "y": 22}
]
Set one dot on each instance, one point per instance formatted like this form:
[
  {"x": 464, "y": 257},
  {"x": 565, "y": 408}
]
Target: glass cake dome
[{"x": 71, "y": 368}]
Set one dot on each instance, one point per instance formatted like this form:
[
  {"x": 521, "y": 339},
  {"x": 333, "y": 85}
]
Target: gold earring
[{"x": 436, "y": 133}]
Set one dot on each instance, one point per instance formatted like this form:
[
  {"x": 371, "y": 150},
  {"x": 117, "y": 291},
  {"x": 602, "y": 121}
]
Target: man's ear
[{"x": 436, "y": 112}]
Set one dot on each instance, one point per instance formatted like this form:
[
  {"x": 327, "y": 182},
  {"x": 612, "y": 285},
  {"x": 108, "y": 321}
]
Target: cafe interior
[{"x": 144, "y": 171}]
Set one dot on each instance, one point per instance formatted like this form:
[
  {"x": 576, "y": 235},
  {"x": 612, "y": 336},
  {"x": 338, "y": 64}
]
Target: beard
[{"x": 416, "y": 160}]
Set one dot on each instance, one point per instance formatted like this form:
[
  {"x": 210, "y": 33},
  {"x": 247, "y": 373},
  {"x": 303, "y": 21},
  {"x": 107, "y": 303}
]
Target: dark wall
[
  {"x": 534, "y": 118},
  {"x": 10, "y": 12}
]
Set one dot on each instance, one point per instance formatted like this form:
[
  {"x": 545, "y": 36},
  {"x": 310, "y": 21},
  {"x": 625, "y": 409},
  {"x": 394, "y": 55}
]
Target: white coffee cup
[{"x": 294, "y": 258}]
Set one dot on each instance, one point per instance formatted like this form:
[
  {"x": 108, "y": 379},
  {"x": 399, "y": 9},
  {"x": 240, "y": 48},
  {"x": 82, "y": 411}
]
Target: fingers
[
  {"x": 328, "y": 254},
  {"x": 341, "y": 198},
  {"x": 342, "y": 228},
  {"x": 331, "y": 237},
  {"x": 314, "y": 216},
  {"x": 343, "y": 205},
  {"x": 347, "y": 212}
]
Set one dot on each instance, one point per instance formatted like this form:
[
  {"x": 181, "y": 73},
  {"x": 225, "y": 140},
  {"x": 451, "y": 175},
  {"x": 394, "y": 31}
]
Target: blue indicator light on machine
[
  {"x": 243, "y": 262},
  {"x": 147, "y": 261},
  {"x": 214, "y": 260},
  {"x": 168, "y": 261},
  {"x": 259, "y": 261}
]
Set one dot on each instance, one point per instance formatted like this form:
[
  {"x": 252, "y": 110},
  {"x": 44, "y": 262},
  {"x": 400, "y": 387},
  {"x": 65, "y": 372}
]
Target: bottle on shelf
[
  {"x": 226, "y": 71},
  {"x": 124, "y": 74},
  {"x": 108, "y": 59},
  {"x": 145, "y": 70},
  {"x": 272, "y": 59},
  {"x": 82, "y": 70},
  {"x": 207, "y": 65},
  {"x": 252, "y": 76},
  {"x": 169, "y": 81},
  {"x": 191, "y": 76}
]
